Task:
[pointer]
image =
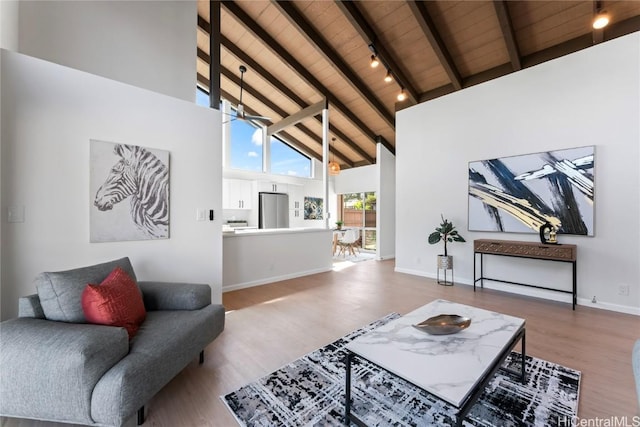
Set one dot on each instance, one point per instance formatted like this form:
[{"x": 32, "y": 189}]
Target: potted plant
[
  {"x": 339, "y": 225},
  {"x": 446, "y": 232}
]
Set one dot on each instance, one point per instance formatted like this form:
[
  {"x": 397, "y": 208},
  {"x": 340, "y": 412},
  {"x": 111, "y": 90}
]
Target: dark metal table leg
[
  {"x": 524, "y": 356},
  {"x": 347, "y": 389},
  {"x": 474, "y": 272},
  {"x": 575, "y": 286}
]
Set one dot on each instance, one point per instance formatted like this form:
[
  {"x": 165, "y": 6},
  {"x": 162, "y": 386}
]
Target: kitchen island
[{"x": 259, "y": 256}]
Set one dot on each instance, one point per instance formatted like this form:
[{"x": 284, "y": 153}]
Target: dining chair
[{"x": 348, "y": 241}]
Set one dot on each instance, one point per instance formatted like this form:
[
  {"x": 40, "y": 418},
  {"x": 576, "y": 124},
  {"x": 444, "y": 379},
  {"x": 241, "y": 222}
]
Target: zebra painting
[{"x": 143, "y": 178}]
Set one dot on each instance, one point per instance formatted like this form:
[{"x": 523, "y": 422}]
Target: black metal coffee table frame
[{"x": 471, "y": 398}]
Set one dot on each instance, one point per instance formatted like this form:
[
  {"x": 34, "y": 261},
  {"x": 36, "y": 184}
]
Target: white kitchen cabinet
[
  {"x": 296, "y": 196},
  {"x": 237, "y": 193},
  {"x": 272, "y": 187},
  {"x": 296, "y": 218},
  {"x": 296, "y": 205}
]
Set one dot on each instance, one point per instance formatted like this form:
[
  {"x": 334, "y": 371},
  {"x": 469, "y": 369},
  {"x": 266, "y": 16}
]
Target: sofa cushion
[
  {"x": 60, "y": 292},
  {"x": 114, "y": 302}
]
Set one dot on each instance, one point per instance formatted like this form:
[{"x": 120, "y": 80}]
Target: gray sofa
[{"x": 69, "y": 371}]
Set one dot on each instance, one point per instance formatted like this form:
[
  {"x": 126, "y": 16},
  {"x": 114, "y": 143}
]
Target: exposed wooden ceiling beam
[
  {"x": 360, "y": 24},
  {"x": 430, "y": 31},
  {"x": 295, "y": 118},
  {"x": 253, "y": 27},
  {"x": 504, "y": 18},
  {"x": 323, "y": 47},
  {"x": 214, "y": 48}
]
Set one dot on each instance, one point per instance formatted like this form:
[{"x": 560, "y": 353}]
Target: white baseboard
[
  {"x": 267, "y": 280},
  {"x": 537, "y": 293}
]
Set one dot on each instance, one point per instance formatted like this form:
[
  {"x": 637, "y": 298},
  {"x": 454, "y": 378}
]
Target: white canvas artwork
[
  {"x": 129, "y": 192},
  {"x": 521, "y": 193}
]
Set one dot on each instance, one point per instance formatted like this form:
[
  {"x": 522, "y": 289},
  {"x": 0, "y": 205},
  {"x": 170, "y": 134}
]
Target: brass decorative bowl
[{"x": 444, "y": 324}]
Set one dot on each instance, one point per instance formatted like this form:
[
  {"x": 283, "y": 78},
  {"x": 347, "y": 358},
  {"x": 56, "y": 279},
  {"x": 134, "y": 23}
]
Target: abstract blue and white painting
[{"x": 520, "y": 193}]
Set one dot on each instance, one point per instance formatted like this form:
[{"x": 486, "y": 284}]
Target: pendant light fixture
[
  {"x": 388, "y": 78},
  {"x": 334, "y": 167},
  {"x": 374, "y": 61}
]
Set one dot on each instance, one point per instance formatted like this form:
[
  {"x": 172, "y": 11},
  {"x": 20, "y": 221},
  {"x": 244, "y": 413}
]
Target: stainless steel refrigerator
[{"x": 273, "y": 211}]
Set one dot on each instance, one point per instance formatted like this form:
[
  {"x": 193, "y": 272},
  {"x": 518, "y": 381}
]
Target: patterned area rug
[{"x": 310, "y": 392}]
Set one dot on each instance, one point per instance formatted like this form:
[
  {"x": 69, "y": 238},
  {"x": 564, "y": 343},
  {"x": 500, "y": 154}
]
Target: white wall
[
  {"x": 386, "y": 209},
  {"x": 356, "y": 180},
  {"x": 588, "y": 98},
  {"x": 149, "y": 44},
  {"x": 49, "y": 114},
  {"x": 264, "y": 257},
  {"x": 9, "y": 25}
]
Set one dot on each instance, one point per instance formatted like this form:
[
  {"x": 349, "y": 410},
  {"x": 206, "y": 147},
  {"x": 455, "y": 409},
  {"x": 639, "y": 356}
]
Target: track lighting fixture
[
  {"x": 402, "y": 95},
  {"x": 601, "y": 19},
  {"x": 389, "y": 76}
]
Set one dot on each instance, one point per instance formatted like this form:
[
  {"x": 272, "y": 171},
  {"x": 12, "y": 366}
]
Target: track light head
[
  {"x": 601, "y": 20},
  {"x": 388, "y": 78},
  {"x": 402, "y": 95},
  {"x": 374, "y": 61}
]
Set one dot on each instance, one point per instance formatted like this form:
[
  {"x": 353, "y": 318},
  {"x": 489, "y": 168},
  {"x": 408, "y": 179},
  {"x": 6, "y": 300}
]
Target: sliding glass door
[{"x": 358, "y": 210}]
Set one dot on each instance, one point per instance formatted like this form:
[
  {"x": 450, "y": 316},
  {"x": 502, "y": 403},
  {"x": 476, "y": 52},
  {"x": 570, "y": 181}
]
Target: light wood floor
[{"x": 270, "y": 325}]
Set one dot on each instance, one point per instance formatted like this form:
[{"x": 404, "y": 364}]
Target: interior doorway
[{"x": 358, "y": 211}]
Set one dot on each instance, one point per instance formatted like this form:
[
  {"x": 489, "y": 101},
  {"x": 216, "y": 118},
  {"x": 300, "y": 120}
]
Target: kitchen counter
[
  {"x": 263, "y": 231},
  {"x": 260, "y": 256}
]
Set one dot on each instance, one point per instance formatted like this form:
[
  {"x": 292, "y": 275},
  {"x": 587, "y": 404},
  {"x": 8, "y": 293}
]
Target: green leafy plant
[
  {"x": 446, "y": 232},
  {"x": 339, "y": 224}
]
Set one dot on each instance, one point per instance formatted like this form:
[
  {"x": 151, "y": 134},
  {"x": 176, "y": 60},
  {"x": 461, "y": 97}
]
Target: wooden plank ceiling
[{"x": 298, "y": 53}]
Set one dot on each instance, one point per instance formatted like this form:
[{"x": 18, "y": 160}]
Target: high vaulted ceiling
[{"x": 299, "y": 53}]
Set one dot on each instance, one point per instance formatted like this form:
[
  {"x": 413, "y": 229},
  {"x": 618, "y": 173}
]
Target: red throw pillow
[{"x": 115, "y": 302}]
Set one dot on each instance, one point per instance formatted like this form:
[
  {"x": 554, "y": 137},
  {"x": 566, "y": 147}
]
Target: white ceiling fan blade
[{"x": 250, "y": 117}]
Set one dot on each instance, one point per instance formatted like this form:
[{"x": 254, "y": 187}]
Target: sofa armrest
[
  {"x": 29, "y": 306},
  {"x": 49, "y": 369},
  {"x": 174, "y": 296}
]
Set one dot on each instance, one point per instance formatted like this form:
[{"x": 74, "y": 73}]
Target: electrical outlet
[
  {"x": 594, "y": 300},
  {"x": 623, "y": 290}
]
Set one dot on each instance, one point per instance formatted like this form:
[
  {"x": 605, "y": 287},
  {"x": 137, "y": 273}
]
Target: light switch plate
[
  {"x": 200, "y": 215},
  {"x": 16, "y": 214}
]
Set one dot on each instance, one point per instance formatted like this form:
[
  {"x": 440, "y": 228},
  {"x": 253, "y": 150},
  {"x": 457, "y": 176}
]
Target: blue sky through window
[{"x": 246, "y": 148}]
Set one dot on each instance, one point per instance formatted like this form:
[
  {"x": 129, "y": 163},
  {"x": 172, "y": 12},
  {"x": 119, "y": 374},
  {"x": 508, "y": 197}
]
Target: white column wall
[
  {"x": 590, "y": 97},
  {"x": 386, "y": 209},
  {"x": 49, "y": 114},
  {"x": 149, "y": 44}
]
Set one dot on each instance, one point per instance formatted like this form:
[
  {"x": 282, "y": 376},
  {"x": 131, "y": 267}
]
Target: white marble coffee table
[{"x": 454, "y": 368}]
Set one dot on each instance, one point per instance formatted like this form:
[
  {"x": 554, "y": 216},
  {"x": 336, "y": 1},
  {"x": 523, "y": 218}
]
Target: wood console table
[{"x": 561, "y": 253}]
